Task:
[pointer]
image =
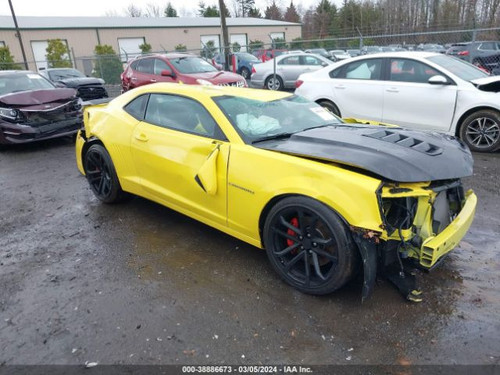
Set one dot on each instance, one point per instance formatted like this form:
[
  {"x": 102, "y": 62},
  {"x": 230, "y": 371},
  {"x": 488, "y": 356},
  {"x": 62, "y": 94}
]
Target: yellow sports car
[{"x": 324, "y": 197}]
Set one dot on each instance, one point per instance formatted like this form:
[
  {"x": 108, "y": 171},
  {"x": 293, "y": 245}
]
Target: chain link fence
[{"x": 477, "y": 46}]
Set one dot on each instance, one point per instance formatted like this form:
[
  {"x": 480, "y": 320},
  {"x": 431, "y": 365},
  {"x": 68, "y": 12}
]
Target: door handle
[
  {"x": 392, "y": 89},
  {"x": 152, "y": 80},
  {"x": 133, "y": 79},
  {"x": 141, "y": 137},
  {"x": 341, "y": 87}
]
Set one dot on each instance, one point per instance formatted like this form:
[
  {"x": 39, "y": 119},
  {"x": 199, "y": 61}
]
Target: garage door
[
  {"x": 241, "y": 39},
  {"x": 40, "y": 53},
  {"x": 129, "y": 48}
]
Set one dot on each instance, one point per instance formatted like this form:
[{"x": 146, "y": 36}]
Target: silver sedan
[{"x": 288, "y": 69}]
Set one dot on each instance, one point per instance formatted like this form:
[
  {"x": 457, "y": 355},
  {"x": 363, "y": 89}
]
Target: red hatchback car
[{"x": 176, "y": 67}]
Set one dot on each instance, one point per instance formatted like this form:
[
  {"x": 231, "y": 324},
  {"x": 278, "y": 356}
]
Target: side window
[
  {"x": 487, "y": 46},
  {"x": 146, "y": 66},
  {"x": 179, "y": 113},
  {"x": 137, "y": 107},
  {"x": 337, "y": 73},
  {"x": 403, "y": 70},
  {"x": 159, "y": 66},
  {"x": 135, "y": 65},
  {"x": 365, "y": 69},
  {"x": 293, "y": 60},
  {"x": 310, "y": 60}
]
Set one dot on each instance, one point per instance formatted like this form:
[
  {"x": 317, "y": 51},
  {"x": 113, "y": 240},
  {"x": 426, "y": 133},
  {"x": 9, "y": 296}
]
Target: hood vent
[{"x": 406, "y": 141}]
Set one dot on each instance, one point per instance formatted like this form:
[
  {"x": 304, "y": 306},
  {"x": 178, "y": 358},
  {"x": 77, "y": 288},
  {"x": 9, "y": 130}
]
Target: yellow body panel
[{"x": 164, "y": 165}]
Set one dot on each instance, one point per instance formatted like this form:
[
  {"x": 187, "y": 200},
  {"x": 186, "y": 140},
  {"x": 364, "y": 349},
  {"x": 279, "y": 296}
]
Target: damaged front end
[{"x": 421, "y": 223}]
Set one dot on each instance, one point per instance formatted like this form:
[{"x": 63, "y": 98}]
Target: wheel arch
[
  {"x": 468, "y": 113},
  {"x": 91, "y": 141},
  {"x": 273, "y": 201},
  {"x": 322, "y": 100}
]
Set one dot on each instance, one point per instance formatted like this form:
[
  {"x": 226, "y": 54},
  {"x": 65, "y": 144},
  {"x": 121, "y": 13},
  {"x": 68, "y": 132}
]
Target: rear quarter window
[{"x": 137, "y": 107}]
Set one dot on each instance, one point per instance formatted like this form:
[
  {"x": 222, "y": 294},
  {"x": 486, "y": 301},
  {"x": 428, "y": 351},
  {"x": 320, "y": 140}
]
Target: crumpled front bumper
[{"x": 435, "y": 247}]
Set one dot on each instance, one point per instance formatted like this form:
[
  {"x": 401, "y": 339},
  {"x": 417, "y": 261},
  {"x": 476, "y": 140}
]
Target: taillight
[
  {"x": 298, "y": 83},
  {"x": 463, "y": 53},
  {"x": 253, "y": 70}
]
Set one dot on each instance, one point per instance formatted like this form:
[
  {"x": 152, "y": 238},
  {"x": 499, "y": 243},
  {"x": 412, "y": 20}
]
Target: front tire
[
  {"x": 101, "y": 175},
  {"x": 309, "y": 246},
  {"x": 481, "y": 131},
  {"x": 272, "y": 84}
]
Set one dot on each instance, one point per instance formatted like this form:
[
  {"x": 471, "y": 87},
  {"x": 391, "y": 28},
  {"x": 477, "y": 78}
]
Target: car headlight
[
  {"x": 9, "y": 113},
  {"x": 203, "y": 82}
]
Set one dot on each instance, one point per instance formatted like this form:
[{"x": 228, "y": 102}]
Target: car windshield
[
  {"x": 56, "y": 75},
  {"x": 460, "y": 68},
  {"x": 192, "y": 65},
  {"x": 247, "y": 57},
  {"x": 23, "y": 82},
  {"x": 257, "y": 120}
]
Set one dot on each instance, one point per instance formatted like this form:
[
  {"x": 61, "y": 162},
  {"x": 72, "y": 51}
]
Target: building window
[
  {"x": 278, "y": 35},
  {"x": 2, "y": 43},
  {"x": 39, "y": 48},
  {"x": 241, "y": 39}
]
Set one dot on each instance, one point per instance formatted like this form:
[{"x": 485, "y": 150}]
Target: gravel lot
[{"x": 140, "y": 284}]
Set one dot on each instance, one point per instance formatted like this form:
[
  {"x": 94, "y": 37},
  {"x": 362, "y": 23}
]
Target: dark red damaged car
[{"x": 32, "y": 108}]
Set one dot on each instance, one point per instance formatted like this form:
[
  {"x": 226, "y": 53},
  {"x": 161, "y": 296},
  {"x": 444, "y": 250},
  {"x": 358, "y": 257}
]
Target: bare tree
[
  {"x": 152, "y": 10},
  {"x": 133, "y": 11}
]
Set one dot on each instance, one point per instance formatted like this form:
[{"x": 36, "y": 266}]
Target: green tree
[
  {"x": 273, "y": 12},
  {"x": 246, "y": 7},
  {"x": 291, "y": 14},
  {"x": 108, "y": 65},
  {"x": 7, "y": 60},
  {"x": 180, "y": 48},
  {"x": 58, "y": 54},
  {"x": 255, "y": 45},
  {"x": 170, "y": 11},
  {"x": 297, "y": 43},
  {"x": 279, "y": 43},
  {"x": 145, "y": 48},
  {"x": 236, "y": 47},
  {"x": 209, "y": 50},
  {"x": 254, "y": 12}
]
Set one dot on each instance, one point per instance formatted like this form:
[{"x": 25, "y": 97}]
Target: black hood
[
  {"x": 81, "y": 81},
  {"x": 393, "y": 153}
]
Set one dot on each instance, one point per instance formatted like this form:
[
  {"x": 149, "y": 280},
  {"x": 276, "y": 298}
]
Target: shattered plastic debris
[
  {"x": 90, "y": 364},
  {"x": 348, "y": 358}
]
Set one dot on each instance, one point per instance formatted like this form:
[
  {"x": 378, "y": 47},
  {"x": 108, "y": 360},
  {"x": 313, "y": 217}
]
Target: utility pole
[
  {"x": 18, "y": 34},
  {"x": 225, "y": 36}
]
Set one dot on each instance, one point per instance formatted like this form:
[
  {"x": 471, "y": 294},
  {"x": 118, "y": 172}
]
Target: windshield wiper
[{"x": 273, "y": 136}]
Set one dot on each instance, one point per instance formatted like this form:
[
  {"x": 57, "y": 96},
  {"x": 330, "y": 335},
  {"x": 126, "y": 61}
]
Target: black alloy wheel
[
  {"x": 481, "y": 131},
  {"x": 309, "y": 246},
  {"x": 101, "y": 175}
]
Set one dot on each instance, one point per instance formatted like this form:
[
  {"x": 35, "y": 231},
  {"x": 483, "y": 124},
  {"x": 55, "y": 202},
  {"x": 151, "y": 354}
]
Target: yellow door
[{"x": 181, "y": 157}]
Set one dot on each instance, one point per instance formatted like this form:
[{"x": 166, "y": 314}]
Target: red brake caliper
[{"x": 295, "y": 223}]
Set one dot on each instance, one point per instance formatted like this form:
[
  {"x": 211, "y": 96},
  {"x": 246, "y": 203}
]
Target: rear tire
[
  {"x": 271, "y": 84},
  {"x": 245, "y": 73},
  {"x": 330, "y": 106},
  {"x": 101, "y": 175},
  {"x": 481, "y": 131},
  {"x": 309, "y": 246}
]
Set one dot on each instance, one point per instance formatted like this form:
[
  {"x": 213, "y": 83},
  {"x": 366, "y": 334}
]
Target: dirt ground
[{"x": 137, "y": 283}]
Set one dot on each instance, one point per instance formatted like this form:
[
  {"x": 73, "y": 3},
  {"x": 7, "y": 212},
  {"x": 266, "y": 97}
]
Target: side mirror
[
  {"x": 323, "y": 64},
  {"x": 167, "y": 73},
  {"x": 438, "y": 80},
  {"x": 59, "y": 85}
]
